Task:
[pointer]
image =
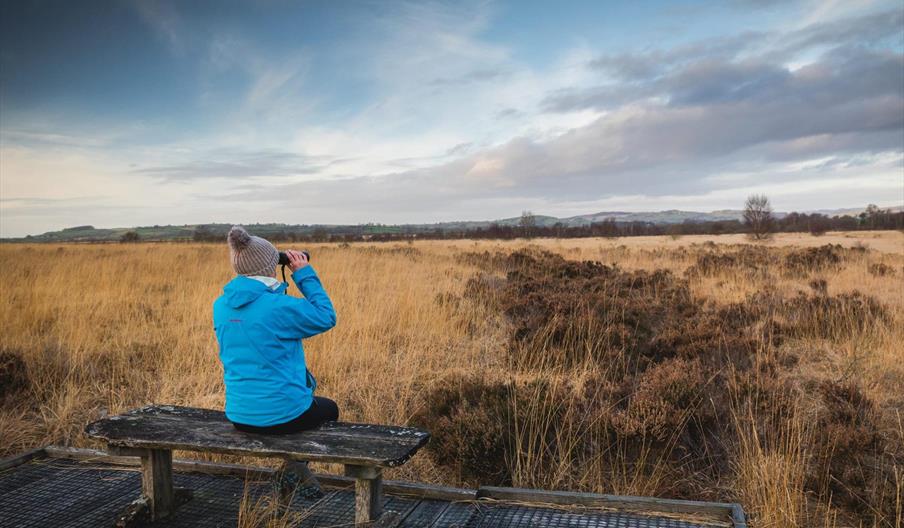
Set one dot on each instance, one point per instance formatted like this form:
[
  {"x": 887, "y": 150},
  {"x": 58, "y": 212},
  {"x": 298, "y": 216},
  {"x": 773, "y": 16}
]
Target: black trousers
[{"x": 321, "y": 410}]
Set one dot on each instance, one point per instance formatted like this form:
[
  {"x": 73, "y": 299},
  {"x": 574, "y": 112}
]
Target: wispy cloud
[
  {"x": 470, "y": 77},
  {"x": 163, "y": 18},
  {"x": 232, "y": 165},
  {"x": 275, "y": 84}
]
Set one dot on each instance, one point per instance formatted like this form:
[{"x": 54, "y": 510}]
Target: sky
[{"x": 128, "y": 113}]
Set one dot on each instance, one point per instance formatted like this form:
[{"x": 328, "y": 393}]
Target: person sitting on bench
[{"x": 269, "y": 389}]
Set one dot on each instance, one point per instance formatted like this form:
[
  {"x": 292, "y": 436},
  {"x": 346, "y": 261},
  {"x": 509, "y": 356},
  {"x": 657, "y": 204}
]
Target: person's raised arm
[{"x": 300, "y": 318}]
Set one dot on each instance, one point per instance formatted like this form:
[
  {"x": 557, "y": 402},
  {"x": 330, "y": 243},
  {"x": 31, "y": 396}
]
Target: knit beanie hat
[{"x": 251, "y": 255}]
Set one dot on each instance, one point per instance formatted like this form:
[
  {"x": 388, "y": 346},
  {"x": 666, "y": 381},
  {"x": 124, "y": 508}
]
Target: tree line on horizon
[{"x": 758, "y": 222}]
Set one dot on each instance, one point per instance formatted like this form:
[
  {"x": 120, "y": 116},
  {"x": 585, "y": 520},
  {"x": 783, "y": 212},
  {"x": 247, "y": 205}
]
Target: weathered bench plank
[{"x": 186, "y": 428}]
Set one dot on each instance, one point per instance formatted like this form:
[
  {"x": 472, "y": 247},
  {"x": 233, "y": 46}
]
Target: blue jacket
[{"x": 260, "y": 331}]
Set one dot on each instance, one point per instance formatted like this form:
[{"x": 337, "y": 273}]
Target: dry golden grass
[
  {"x": 102, "y": 328},
  {"x": 264, "y": 508}
]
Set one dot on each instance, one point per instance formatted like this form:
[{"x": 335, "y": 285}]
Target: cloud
[
  {"x": 48, "y": 138},
  {"x": 438, "y": 194},
  {"x": 679, "y": 133},
  {"x": 39, "y": 201},
  {"x": 863, "y": 30},
  {"x": 164, "y": 20},
  {"x": 757, "y": 4},
  {"x": 460, "y": 149},
  {"x": 506, "y": 113},
  {"x": 848, "y": 102},
  {"x": 847, "y": 90},
  {"x": 635, "y": 66},
  {"x": 229, "y": 164},
  {"x": 740, "y": 62},
  {"x": 471, "y": 77}
]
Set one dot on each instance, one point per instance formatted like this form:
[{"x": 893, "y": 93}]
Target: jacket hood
[{"x": 241, "y": 291}]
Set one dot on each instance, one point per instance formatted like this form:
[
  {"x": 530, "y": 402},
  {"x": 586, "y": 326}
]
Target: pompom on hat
[{"x": 251, "y": 255}]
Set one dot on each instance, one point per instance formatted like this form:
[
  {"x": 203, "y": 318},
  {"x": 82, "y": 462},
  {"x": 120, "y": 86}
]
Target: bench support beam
[
  {"x": 159, "y": 498},
  {"x": 368, "y": 493},
  {"x": 157, "y": 482}
]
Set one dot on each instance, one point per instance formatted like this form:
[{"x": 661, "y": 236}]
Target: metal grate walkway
[{"x": 74, "y": 494}]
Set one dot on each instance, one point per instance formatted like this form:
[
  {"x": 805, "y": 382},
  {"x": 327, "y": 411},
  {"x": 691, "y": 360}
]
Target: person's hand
[{"x": 297, "y": 260}]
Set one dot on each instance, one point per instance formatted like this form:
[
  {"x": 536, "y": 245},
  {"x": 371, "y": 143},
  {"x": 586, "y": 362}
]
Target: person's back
[
  {"x": 259, "y": 329},
  {"x": 269, "y": 389}
]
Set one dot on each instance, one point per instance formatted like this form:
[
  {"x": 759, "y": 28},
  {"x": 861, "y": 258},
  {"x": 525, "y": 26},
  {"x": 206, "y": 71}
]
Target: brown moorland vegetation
[{"x": 768, "y": 374}]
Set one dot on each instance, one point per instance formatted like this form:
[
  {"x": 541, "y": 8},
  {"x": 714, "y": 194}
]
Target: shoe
[{"x": 297, "y": 477}]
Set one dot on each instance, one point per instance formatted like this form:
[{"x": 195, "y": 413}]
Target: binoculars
[{"x": 284, "y": 259}]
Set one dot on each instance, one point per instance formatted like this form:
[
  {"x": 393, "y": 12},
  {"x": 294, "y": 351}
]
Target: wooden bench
[{"x": 153, "y": 432}]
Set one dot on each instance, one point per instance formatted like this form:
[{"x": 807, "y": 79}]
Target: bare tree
[
  {"x": 758, "y": 217},
  {"x": 871, "y": 215},
  {"x": 528, "y": 222}
]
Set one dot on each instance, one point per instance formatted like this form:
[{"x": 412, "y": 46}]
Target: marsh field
[{"x": 706, "y": 368}]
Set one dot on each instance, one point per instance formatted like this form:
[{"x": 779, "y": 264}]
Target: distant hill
[
  {"x": 854, "y": 211},
  {"x": 87, "y": 233},
  {"x": 672, "y": 216}
]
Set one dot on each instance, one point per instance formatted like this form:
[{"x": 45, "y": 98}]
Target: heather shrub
[
  {"x": 819, "y": 286},
  {"x": 523, "y": 433},
  {"x": 802, "y": 262},
  {"x": 477, "y": 424},
  {"x": 851, "y": 453},
  {"x": 469, "y": 420},
  {"x": 13, "y": 374},
  {"x": 832, "y": 317},
  {"x": 568, "y": 313},
  {"x": 880, "y": 269},
  {"x": 484, "y": 287},
  {"x": 663, "y": 399},
  {"x": 715, "y": 336},
  {"x": 752, "y": 260}
]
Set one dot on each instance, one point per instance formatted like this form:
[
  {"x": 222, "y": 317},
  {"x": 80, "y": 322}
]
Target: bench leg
[
  {"x": 159, "y": 498},
  {"x": 157, "y": 482},
  {"x": 368, "y": 492}
]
